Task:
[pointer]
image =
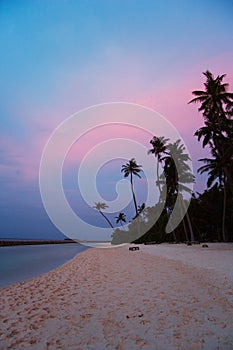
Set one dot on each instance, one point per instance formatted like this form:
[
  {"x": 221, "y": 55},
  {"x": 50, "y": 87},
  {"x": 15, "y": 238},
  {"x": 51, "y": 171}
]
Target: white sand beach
[{"x": 160, "y": 297}]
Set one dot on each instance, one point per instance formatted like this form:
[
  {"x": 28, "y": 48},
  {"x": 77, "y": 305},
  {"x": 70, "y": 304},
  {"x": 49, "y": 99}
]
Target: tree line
[{"x": 210, "y": 214}]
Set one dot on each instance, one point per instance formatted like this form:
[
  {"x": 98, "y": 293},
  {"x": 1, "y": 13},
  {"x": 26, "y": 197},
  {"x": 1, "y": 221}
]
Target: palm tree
[
  {"x": 101, "y": 206},
  {"x": 158, "y": 148},
  {"x": 211, "y": 217},
  {"x": 141, "y": 208},
  {"x": 214, "y": 98},
  {"x": 217, "y": 108},
  {"x": 214, "y": 168},
  {"x": 177, "y": 179},
  {"x": 129, "y": 169},
  {"x": 120, "y": 218}
]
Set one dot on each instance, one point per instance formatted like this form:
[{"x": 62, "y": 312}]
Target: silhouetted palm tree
[
  {"x": 120, "y": 218},
  {"x": 210, "y": 213},
  {"x": 129, "y": 169},
  {"x": 217, "y": 108},
  {"x": 158, "y": 149},
  {"x": 141, "y": 208},
  {"x": 101, "y": 206},
  {"x": 213, "y": 98},
  {"x": 177, "y": 176},
  {"x": 214, "y": 168}
]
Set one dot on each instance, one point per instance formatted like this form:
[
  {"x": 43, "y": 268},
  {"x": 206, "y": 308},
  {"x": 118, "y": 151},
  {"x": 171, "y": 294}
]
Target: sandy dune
[{"x": 154, "y": 298}]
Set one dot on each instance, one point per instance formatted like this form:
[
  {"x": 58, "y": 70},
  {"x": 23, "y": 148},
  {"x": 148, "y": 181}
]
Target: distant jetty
[{"x": 5, "y": 242}]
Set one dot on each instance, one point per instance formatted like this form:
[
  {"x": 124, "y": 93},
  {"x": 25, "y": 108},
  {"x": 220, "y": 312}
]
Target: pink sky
[{"x": 57, "y": 59}]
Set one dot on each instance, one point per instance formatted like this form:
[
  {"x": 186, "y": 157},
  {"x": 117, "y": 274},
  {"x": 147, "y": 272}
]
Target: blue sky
[{"x": 58, "y": 57}]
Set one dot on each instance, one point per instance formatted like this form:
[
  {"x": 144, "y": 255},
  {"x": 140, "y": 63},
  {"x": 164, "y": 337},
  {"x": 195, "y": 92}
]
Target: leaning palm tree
[
  {"x": 101, "y": 206},
  {"x": 120, "y": 218},
  {"x": 158, "y": 149},
  {"x": 129, "y": 169}
]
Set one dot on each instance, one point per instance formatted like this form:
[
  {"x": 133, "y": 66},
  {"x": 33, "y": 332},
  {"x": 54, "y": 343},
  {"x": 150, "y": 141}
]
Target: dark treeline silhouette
[
  {"x": 210, "y": 214},
  {"x": 172, "y": 183},
  {"x": 216, "y": 105}
]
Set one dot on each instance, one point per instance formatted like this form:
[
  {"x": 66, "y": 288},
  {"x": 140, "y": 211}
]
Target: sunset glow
[{"x": 58, "y": 58}]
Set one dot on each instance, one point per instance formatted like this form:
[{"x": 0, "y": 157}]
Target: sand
[{"x": 160, "y": 297}]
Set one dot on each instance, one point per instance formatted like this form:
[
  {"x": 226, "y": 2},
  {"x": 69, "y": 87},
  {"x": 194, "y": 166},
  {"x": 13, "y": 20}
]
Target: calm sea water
[{"x": 19, "y": 263}]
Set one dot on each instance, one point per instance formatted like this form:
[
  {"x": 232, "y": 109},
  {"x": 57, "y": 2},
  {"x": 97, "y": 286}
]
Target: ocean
[{"x": 18, "y": 263}]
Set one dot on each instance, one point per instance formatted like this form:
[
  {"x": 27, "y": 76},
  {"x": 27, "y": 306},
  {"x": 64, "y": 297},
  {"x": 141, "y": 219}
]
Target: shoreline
[
  {"x": 16, "y": 242},
  {"x": 118, "y": 299},
  {"x": 24, "y": 262}
]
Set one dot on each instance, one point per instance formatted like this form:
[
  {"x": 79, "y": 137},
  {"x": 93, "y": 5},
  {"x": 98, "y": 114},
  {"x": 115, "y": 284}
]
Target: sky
[{"x": 60, "y": 57}]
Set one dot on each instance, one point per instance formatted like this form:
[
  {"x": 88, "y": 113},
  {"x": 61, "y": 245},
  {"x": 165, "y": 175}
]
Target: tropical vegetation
[
  {"x": 100, "y": 207},
  {"x": 129, "y": 169},
  {"x": 209, "y": 215}
]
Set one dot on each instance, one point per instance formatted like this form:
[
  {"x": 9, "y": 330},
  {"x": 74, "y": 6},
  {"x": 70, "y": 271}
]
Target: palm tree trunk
[
  {"x": 182, "y": 214},
  {"x": 190, "y": 228},
  {"x": 134, "y": 198},
  {"x": 189, "y": 224},
  {"x": 185, "y": 231},
  {"x": 109, "y": 222},
  {"x": 174, "y": 236},
  {"x": 224, "y": 214},
  {"x": 226, "y": 170},
  {"x": 170, "y": 227},
  {"x": 228, "y": 175},
  {"x": 157, "y": 170}
]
